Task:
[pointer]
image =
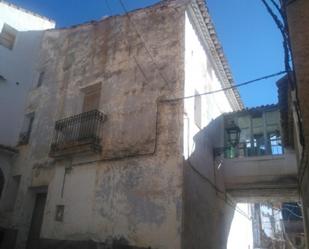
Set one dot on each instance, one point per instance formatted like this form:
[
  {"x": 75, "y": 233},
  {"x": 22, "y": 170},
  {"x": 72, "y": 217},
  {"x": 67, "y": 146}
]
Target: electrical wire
[
  {"x": 126, "y": 40},
  {"x": 291, "y": 205},
  {"x": 291, "y": 212},
  {"x": 165, "y": 79},
  {"x": 284, "y": 29},
  {"x": 108, "y": 6},
  {"x": 230, "y": 87},
  {"x": 143, "y": 42},
  {"x": 225, "y": 198}
]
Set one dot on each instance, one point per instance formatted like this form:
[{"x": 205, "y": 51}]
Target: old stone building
[
  {"x": 104, "y": 162},
  {"x": 125, "y": 151}
]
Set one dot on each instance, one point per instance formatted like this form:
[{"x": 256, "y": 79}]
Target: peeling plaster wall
[
  {"x": 136, "y": 190},
  {"x": 207, "y": 218},
  {"x": 133, "y": 190}
]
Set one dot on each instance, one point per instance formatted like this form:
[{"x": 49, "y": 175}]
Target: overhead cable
[
  {"x": 225, "y": 198},
  {"x": 230, "y": 87},
  {"x": 143, "y": 42}
]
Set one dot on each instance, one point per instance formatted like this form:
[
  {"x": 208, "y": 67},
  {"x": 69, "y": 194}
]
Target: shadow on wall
[{"x": 208, "y": 211}]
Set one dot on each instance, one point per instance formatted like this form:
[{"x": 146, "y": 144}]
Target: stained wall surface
[
  {"x": 138, "y": 190},
  {"x": 132, "y": 191}
]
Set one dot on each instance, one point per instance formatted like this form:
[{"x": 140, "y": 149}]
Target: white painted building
[
  {"x": 20, "y": 38},
  {"x": 20, "y": 41},
  {"x": 21, "y": 19},
  {"x": 203, "y": 74}
]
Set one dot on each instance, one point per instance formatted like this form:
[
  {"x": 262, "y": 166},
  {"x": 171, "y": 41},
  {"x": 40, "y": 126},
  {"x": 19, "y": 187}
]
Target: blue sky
[{"x": 250, "y": 39}]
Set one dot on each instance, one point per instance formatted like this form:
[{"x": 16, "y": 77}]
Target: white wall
[
  {"x": 19, "y": 67},
  {"x": 22, "y": 20},
  {"x": 207, "y": 216},
  {"x": 241, "y": 236},
  {"x": 200, "y": 76}
]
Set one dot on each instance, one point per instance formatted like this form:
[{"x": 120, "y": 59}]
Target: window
[
  {"x": 8, "y": 36},
  {"x": 59, "y": 213},
  {"x": 259, "y": 133},
  {"x": 92, "y": 96},
  {"x": 41, "y": 78},
  {"x": 198, "y": 109},
  {"x": 26, "y": 129}
]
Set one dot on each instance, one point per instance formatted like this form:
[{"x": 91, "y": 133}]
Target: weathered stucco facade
[
  {"x": 133, "y": 190},
  {"x": 141, "y": 188}
]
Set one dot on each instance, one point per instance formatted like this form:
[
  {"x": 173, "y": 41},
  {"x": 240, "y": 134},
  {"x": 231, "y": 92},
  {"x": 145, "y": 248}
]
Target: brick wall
[{"x": 298, "y": 20}]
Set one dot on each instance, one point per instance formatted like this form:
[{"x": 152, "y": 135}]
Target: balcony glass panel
[{"x": 259, "y": 135}]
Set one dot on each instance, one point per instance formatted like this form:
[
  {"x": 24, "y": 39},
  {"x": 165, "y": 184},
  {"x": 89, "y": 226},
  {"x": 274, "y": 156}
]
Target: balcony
[
  {"x": 78, "y": 134},
  {"x": 272, "y": 147},
  {"x": 252, "y": 158}
]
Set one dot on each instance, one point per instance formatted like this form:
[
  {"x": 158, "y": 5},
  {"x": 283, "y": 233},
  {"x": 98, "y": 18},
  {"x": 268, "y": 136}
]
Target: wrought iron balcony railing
[{"x": 76, "y": 134}]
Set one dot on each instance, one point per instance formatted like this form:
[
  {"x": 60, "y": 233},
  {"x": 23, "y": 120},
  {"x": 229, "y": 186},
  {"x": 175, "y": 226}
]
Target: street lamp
[{"x": 233, "y": 132}]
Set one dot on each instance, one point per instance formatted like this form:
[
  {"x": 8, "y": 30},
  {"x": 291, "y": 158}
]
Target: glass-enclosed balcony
[{"x": 251, "y": 133}]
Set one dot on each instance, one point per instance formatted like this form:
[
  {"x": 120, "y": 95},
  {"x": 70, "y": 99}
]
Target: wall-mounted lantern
[{"x": 233, "y": 132}]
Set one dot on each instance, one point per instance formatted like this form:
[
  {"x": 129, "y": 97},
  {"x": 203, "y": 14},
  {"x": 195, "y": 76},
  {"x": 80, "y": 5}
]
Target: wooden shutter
[
  {"x": 92, "y": 97},
  {"x": 8, "y": 36}
]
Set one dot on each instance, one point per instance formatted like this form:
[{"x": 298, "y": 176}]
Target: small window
[
  {"x": 8, "y": 36},
  {"x": 26, "y": 129},
  {"x": 92, "y": 96},
  {"x": 59, "y": 213},
  {"x": 41, "y": 78},
  {"x": 198, "y": 109}
]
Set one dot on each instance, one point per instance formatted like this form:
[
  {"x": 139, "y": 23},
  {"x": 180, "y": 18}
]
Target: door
[{"x": 36, "y": 222}]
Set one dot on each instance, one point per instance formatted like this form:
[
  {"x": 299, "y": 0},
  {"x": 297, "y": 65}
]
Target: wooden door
[{"x": 36, "y": 222}]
